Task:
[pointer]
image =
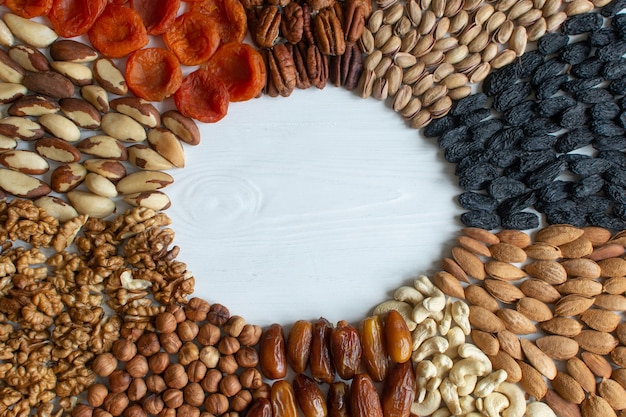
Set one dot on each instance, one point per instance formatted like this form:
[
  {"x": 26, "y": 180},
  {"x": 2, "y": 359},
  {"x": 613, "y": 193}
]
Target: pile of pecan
[{"x": 308, "y": 42}]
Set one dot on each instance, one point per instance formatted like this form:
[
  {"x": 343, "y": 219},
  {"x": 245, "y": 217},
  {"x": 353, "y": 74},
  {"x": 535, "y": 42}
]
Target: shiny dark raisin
[
  {"x": 555, "y": 105},
  {"x": 552, "y": 42},
  {"x": 480, "y": 218},
  {"x": 475, "y": 201},
  {"x": 520, "y": 221},
  {"x": 578, "y": 24}
]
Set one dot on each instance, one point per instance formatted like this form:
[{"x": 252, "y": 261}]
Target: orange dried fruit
[
  {"x": 193, "y": 38},
  {"x": 118, "y": 31},
  {"x": 229, "y": 17},
  {"x": 70, "y": 18},
  {"x": 29, "y": 8},
  {"x": 153, "y": 73},
  {"x": 203, "y": 97},
  {"x": 157, "y": 15}
]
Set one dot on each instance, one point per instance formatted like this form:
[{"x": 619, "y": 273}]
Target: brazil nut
[
  {"x": 144, "y": 157},
  {"x": 27, "y": 162},
  {"x": 97, "y": 96},
  {"x": 33, "y": 105},
  {"x": 81, "y": 112},
  {"x": 10, "y": 71},
  {"x": 49, "y": 83},
  {"x": 56, "y": 208},
  {"x": 22, "y": 185},
  {"x": 29, "y": 58},
  {"x": 109, "y": 76},
  {"x": 108, "y": 168},
  {"x": 123, "y": 127},
  {"x": 103, "y": 146},
  {"x": 30, "y": 32},
  {"x": 72, "y": 51},
  {"x": 166, "y": 143},
  {"x": 141, "y": 110},
  {"x": 9, "y": 92},
  {"x": 6, "y": 36},
  {"x": 67, "y": 177},
  {"x": 20, "y": 128},
  {"x": 77, "y": 73},
  {"x": 7, "y": 143},
  {"x": 100, "y": 185},
  {"x": 141, "y": 181},
  {"x": 155, "y": 200},
  {"x": 182, "y": 126},
  {"x": 60, "y": 126},
  {"x": 91, "y": 204},
  {"x": 57, "y": 150}
]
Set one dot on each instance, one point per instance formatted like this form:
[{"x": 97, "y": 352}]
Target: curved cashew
[
  {"x": 474, "y": 414},
  {"x": 456, "y": 338},
  {"x": 443, "y": 363},
  {"x": 424, "y": 371},
  {"x": 433, "y": 383},
  {"x": 468, "y": 404},
  {"x": 514, "y": 393},
  {"x": 494, "y": 404},
  {"x": 408, "y": 295},
  {"x": 539, "y": 409},
  {"x": 446, "y": 323},
  {"x": 442, "y": 412},
  {"x": 405, "y": 310},
  {"x": 468, "y": 350},
  {"x": 469, "y": 383},
  {"x": 424, "y": 285},
  {"x": 450, "y": 396},
  {"x": 460, "y": 315},
  {"x": 420, "y": 313},
  {"x": 436, "y": 344},
  {"x": 468, "y": 366},
  {"x": 424, "y": 330},
  {"x": 430, "y": 404},
  {"x": 437, "y": 316},
  {"x": 436, "y": 302},
  {"x": 489, "y": 383}
]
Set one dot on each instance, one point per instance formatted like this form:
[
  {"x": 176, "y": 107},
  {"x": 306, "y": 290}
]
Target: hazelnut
[
  {"x": 230, "y": 385},
  {"x": 170, "y": 342},
  {"x": 99, "y": 412},
  {"x": 228, "y": 364},
  {"x": 137, "y": 367},
  {"x": 187, "y": 330},
  {"x": 210, "y": 356},
  {"x": 156, "y": 384},
  {"x": 131, "y": 333},
  {"x": 135, "y": 410},
  {"x": 216, "y": 404},
  {"x": 104, "y": 364},
  {"x": 165, "y": 322},
  {"x": 247, "y": 357},
  {"x": 115, "y": 403},
  {"x": 137, "y": 389},
  {"x": 124, "y": 350},
  {"x": 178, "y": 312},
  {"x": 194, "y": 394},
  {"x": 82, "y": 410},
  {"x": 234, "y": 326},
  {"x": 250, "y": 335},
  {"x": 96, "y": 394},
  {"x": 167, "y": 412},
  {"x": 241, "y": 400},
  {"x": 148, "y": 344},
  {"x": 211, "y": 381},
  {"x": 187, "y": 410},
  {"x": 197, "y": 309},
  {"x": 263, "y": 391},
  {"x": 153, "y": 404},
  {"x": 218, "y": 314},
  {"x": 208, "y": 334},
  {"x": 119, "y": 381},
  {"x": 251, "y": 378},
  {"x": 175, "y": 376},
  {"x": 228, "y": 345},
  {"x": 188, "y": 353},
  {"x": 158, "y": 362},
  {"x": 173, "y": 398},
  {"x": 196, "y": 371}
]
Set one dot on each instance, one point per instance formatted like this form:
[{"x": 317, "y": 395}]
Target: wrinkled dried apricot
[
  {"x": 29, "y": 8},
  {"x": 203, "y": 97},
  {"x": 157, "y": 15},
  {"x": 193, "y": 38},
  {"x": 242, "y": 69},
  {"x": 70, "y": 18},
  {"x": 229, "y": 17},
  {"x": 153, "y": 73},
  {"x": 118, "y": 31}
]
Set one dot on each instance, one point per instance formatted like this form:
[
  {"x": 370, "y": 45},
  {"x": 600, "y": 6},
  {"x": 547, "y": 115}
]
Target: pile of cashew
[{"x": 453, "y": 377}]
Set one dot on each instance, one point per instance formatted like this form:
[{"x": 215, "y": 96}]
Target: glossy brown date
[
  {"x": 299, "y": 345},
  {"x": 397, "y": 337},
  {"x": 399, "y": 390},
  {"x": 345, "y": 349},
  {"x": 283, "y": 399},
  {"x": 309, "y": 397},
  {"x": 364, "y": 400},
  {"x": 322, "y": 369},
  {"x": 272, "y": 357},
  {"x": 337, "y": 399},
  {"x": 375, "y": 358}
]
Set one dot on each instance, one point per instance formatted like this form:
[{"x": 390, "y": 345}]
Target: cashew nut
[
  {"x": 436, "y": 344},
  {"x": 420, "y": 313},
  {"x": 489, "y": 383},
  {"x": 469, "y": 383},
  {"x": 442, "y": 412},
  {"x": 405, "y": 310},
  {"x": 444, "y": 325},
  {"x": 539, "y": 409},
  {"x": 468, "y": 366},
  {"x": 430, "y": 404},
  {"x": 514, "y": 393},
  {"x": 468, "y": 404},
  {"x": 433, "y": 383},
  {"x": 424, "y": 371},
  {"x": 424, "y": 285},
  {"x": 460, "y": 315},
  {"x": 436, "y": 302},
  {"x": 474, "y": 414},
  {"x": 456, "y": 338},
  {"x": 494, "y": 404},
  {"x": 423, "y": 331},
  {"x": 408, "y": 295},
  {"x": 468, "y": 350},
  {"x": 450, "y": 396},
  {"x": 443, "y": 363}
]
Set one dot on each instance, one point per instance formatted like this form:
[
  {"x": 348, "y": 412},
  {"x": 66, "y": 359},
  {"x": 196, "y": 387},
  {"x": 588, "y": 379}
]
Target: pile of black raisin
[{"x": 547, "y": 134}]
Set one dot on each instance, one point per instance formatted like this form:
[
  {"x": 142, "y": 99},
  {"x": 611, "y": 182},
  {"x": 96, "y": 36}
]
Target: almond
[
  {"x": 448, "y": 284},
  {"x": 549, "y": 271},
  {"x": 619, "y": 375},
  {"x": 618, "y": 356},
  {"x": 541, "y": 290},
  {"x": 597, "y": 364},
  {"x": 563, "y": 326},
  {"x": 503, "y": 291},
  {"x": 474, "y": 246},
  {"x": 470, "y": 263},
  {"x": 482, "y": 235},
  {"x": 597, "y": 235},
  {"x": 565, "y": 408},
  {"x": 577, "y": 248},
  {"x": 619, "y": 238},
  {"x": 504, "y": 271},
  {"x": 620, "y": 332},
  {"x": 610, "y": 250},
  {"x": 568, "y": 388},
  {"x": 516, "y": 322},
  {"x": 447, "y": 264},
  {"x": 614, "y": 285},
  {"x": 534, "y": 309},
  {"x": 478, "y": 296},
  {"x": 580, "y": 286},
  {"x": 514, "y": 237},
  {"x": 600, "y": 343},
  {"x": 595, "y": 406},
  {"x": 613, "y": 267},
  {"x": 504, "y": 361},
  {"x": 532, "y": 381},
  {"x": 582, "y": 267},
  {"x": 558, "y": 347},
  {"x": 558, "y": 234},
  {"x": 537, "y": 358},
  {"x": 613, "y": 302},
  {"x": 581, "y": 373},
  {"x": 507, "y": 252},
  {"x": 509, "y": 343},
  {"x": 613, "y": 393},
  {"x": 601, "y": 320},
  {"x": 485, "y": 341},
  {"x": 485, "y": 320},
  {"x": 543, "y": 251},
  {"x": 572, "y": 305}
]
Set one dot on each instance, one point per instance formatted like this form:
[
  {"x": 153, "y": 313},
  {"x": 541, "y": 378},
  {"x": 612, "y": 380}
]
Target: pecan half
[
  {"x": 307, "y": 25},
  {"x": 345, "y": 70},
  {"x": 317, "y": 66},
  {"x": 320, "y": 4},
  {"x": 268, "y": 26},
  {"x": 354, "y": 21},
  {"x": 281, "y": 71},
  {"x": 292, "y": 23},
  {"x": 302, "y": 77},
  {"x": 328, "y": 32}
]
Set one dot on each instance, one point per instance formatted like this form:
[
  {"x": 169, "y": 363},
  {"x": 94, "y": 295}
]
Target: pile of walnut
[{"x": 53, "y": 297}]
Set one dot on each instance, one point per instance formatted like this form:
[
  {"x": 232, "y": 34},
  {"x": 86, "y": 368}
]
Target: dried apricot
[
  {"x": 157, "y": 15},
  {"x": 242, "y": 69},
  {"x": 153, "y": 73},
  {"x": 229, "y": 17},
  {"x": 70, "y": 18},
  {"x": 29, "y": 8},
  {"x": 118, "y": 31},
  {"x": 202, "y": 96},
  {"x": 193, "y": 38}
]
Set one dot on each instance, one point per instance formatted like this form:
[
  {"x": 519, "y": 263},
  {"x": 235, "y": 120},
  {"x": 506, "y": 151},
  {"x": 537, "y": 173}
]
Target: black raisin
[
  {"x": 452, "y": 136},
  {"x": 574, "y": 86},
  {"x": 532, "y": 161},
  {"x": 613, "y": 8},
  {"x": 589, "y": 166},
  {"x": 574, "y": 139},
  {"x": 588, "y": 186},
  {"x": 481, "y": 219},
  {"x": 554, "y": 105},
  {"x": 615, "y": 157},
  {"x": 564, "y": 212},
  {"x": 520, "y": 114},
  {"x": 537, "y": 143},
  {"x": 469, "y": 103},
  {"x": 516, "y": 204},
  {"x": 515, "y": 172},
  {"x": 612, "y": 51},
  {"x": 475, "y": 201},
  {"x": 439, "y": 126},
  {"x": 545, "y": 175},
  {"x": 615, "y": 175},
  {"x": 477, "y": 177},
  {"x": 622, "y": 119},
  {"x": 603, "y": 37},
  {"x": 604, "y": 111},
  {"x": 593, "y": 203},
  {"x": 473, "y": 117},
  {"x": 511, "y": 96},
  {"x": 610, "y": 143},
  {"x": 606, "y": 128},
  {"x": 575, "y": 53},
  {"x": 505, "y": 139},
  {"x": 528, "y": 63},
  {"x": 520, "y": 221},
  {"x": 484, "y": 130},
  {"x": 575, "y": 116},
  {"x": 548, "y": 69},
  {"x": 552, "y": 42},
  {"x": 504, "y": 187},
  {"x": 581, "y": 23},
  {"x": 503, "y": 158},
  {"x": 540, "y": 126},
  {"x": 550, "y": 87},
  {"x": 614, "y": 69},
  {"x": 555, "y": 191},
  {"x": 469, "y": 161},
  {"x": 594, "y": 95},
  {"x": 619, "y": 23},
  {"x": 459, "y": 150},
  {"x": 589, "y": 68},
  {"x": 618, "y": 87},
  {"x": 497, "y": 81},
  {"x": 620, "y": 210},
  {"x": 607, "y": 221}
]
